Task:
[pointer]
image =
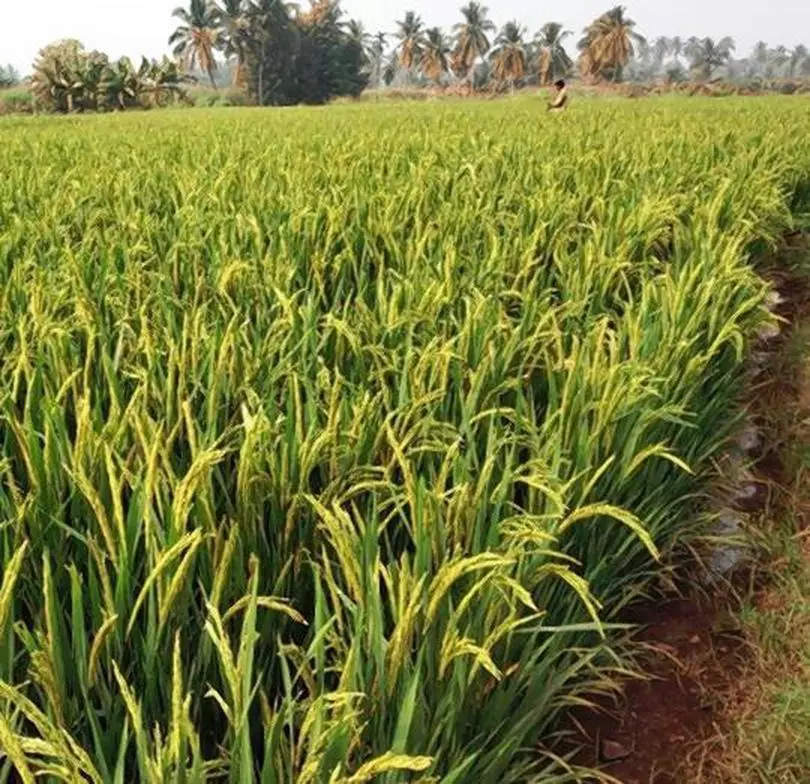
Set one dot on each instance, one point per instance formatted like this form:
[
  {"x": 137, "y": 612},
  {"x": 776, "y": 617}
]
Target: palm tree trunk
[
  {"x": 261, "y": 78},
  {"x": 211, "y": 76}
]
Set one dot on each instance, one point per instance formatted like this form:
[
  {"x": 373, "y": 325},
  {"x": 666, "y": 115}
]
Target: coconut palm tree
[
  {"x": 798, "y": 57},
  {"x": 508, "y": 56},
  {"x": 707, "y": 55},
  {"x": 233, "y": 33},
  {"x": 356, "y": 30},
  {"x": 642, "y": 63},
  {"x": 472, "y": 43},
  {"x": 324, "y": 13},
  {"x": 435, "y": 59},
  {"x": 777, "y": 59},
  {"x": 610, "y": 43},
  {"x": 660, "y": 49},
  {"x": 195, "y": 40},
  {"x": 376, "y": 58},
  {"x": 411, "y": 36},
  {"x": 760, "y": 55},
  {"x": 390, "y": 68},
  {"x": 553, "y": 61},
  {"x": 9, "y": 77},
  {"x": 676, "y": 48}
]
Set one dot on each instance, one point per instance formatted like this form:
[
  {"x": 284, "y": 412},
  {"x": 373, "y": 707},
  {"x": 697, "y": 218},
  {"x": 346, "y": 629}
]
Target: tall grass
[{"x": 333, "y": 441}]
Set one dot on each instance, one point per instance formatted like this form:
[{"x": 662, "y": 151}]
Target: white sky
[{"x": 135, "y": 27}]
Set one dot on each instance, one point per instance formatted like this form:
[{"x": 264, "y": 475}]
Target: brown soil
[
  {"x": 660, "y": 722},
  {"x": 694, "y": 654}
]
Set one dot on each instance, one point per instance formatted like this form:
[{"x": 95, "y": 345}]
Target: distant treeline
[
  {"x": 276, "y": 54},
  {"x": 283, "y": 55}
]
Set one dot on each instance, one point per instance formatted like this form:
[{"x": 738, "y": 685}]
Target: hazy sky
[{"x": 135, "y": 27}]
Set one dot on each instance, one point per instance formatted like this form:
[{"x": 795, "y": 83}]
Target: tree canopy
[{"x": 284, "y": 55}]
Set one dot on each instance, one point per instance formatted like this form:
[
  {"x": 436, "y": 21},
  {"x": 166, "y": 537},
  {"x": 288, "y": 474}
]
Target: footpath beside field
[{"x": 337, "y": 443}]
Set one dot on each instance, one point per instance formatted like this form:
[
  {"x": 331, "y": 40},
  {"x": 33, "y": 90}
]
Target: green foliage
[
  {"x": 303, "y": 58},
  {"x": 16, "y": 100},
  {"x": 196, "y": 38},
  {"x": 707, "y": 55},
  {"x": 336, "y": 462},
  {"x": 8, "y": 76},
  {"x": 69, "y": 79},
  {"x": 206, "y": 97}
]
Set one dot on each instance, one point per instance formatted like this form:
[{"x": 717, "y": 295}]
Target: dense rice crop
[{"x": 331, "y": 439}]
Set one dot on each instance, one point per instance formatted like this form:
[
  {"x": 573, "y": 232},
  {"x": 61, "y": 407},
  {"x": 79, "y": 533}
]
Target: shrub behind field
[{"x": 16, "y": 100}]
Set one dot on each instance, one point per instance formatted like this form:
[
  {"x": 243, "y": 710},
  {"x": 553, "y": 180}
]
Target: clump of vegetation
[
  {"x": 282, "y": 56},
  {"x": 335, "y": 461},
  {"x": 206, "y": 97},
  {"x": 67, "y": 78},
  {"x": 8, "y": 77},
  {"x": 16, "y": 100}
]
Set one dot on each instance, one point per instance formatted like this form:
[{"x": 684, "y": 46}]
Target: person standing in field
[{"x": 560, "y": 97}]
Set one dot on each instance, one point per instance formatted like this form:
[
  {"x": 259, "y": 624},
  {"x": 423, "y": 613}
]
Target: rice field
[{"x": 334, "y": 440}]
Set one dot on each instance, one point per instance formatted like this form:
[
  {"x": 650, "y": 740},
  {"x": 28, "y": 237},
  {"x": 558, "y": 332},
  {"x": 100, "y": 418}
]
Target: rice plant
[{"x": 333, "y": 442}]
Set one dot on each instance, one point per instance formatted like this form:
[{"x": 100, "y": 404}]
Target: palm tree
[
  {"x": 411, "y": 36},
  {"x": 435, "y": 57},
  {"x": 376, "y": 58},
  {"x": 760, "y": 55},
  {"x": 676, "y": 48},
  {"x": 9, "y": 77},
  {"x": 777, "y": 58},
  {"x": 356, "y": 31},
  {"x": 196, "y": 38},
  {"x": 661, "y": 48},
  {"x": 509, "y": 55},
  {"x": 267, "y": 22},
  {"x": 610, "y": 42},
  {"x": 390, "y": 68},
  {"x": 472, "y": 43},
  {"x": 642, "y": 62},
  {"x": 320, "y": 13},
  {"x": 553, "y": 60},
  {"x": 233, "y": 36},
  {"x": 706, "y": 55},
  {"x": 797, "y": 58}
]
